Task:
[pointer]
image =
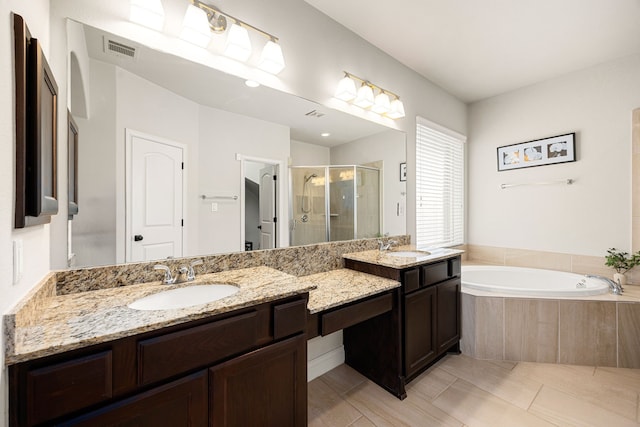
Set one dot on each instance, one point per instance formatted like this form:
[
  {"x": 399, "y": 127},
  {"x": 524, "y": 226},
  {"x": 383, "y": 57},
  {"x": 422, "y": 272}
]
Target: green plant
[{"x": 621, "y": 261}]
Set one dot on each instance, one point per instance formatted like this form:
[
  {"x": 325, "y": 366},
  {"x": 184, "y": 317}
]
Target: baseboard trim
[{"x": 324, "y": 363}]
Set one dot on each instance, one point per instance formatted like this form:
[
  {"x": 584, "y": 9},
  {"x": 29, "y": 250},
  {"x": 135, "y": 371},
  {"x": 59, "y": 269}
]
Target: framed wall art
[
  {"x": 539, "y": 152},
  {"x": 403, "y": 171},
  {"x": 36, "y": 197}
]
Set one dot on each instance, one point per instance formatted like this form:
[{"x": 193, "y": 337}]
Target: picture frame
[
  {"x": 403, "y": 171},
  {"x": 539, "y": 152},
  {"x": 72, "y": 153},
  {"x": 36, "y": 194}
]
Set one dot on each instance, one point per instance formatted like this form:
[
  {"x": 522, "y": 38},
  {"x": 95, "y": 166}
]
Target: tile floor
[{"x": 461, "y": 391}]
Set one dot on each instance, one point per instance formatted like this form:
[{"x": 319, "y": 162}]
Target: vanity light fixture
[
  {"x": 149, "y": 13},
  {"x": 237, "y": 44},
  {"x": 385, "y": 103}
]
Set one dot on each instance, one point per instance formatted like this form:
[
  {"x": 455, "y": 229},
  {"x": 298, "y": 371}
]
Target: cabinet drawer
[
  {"x": 356, "y": 313},
  {"x": 181, "y": 351},
  {"x": 455, "y": 267},
  {"x": 411, "y": 280},
  {"x": 434, "y": 273},
  {"x": 58, "y": 389},
  {"x": 289, "y": 318}
]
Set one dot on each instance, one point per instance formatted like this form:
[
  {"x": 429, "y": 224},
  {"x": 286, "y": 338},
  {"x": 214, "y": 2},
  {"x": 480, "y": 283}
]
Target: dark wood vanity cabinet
[
  {"x": 424, "y": 325},
  {"x": 247, "y": 367}
]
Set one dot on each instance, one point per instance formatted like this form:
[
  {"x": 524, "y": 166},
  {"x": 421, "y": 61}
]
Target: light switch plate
[{"x": 214, "y": 207}]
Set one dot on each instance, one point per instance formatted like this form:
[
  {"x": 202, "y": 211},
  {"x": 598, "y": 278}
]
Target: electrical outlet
[
  {"x": 18, "y": 261},
  {"x": 214, "y": 207}
]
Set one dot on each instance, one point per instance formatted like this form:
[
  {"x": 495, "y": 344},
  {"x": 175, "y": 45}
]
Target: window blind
[{"x": 439, "y": 186}]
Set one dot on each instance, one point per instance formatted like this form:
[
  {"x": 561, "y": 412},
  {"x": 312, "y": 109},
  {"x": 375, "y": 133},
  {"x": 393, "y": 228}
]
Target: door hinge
[
  {"x": 182, "y": 165},
  {"x": 182, "y": 222},
  {"x": 275, "y": 219},
  {"x": 275, "y": 177}
]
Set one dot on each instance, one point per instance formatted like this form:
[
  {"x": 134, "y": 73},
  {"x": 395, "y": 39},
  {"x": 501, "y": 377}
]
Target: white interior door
[
  {"x": 268, "y": 207},
  {"x": 155, "y": 203}
]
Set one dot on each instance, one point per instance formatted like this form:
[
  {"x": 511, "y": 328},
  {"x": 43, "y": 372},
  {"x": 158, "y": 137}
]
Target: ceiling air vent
[
  {"x": 314, "y": 113},
  {"x": 119, "y": 49}
]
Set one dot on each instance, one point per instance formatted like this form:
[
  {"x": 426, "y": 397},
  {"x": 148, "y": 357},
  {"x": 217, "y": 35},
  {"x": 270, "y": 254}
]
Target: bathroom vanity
[
  {"x": 241, "y": 361},
  {"x": 422, "y": 326},
  {"x": 78, "y": 354}
]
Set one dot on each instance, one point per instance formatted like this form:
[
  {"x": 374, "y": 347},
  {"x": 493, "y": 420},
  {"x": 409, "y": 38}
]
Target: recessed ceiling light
[
  {"x": 325, "y": 134},
  {"x": 252, "y": 83}
]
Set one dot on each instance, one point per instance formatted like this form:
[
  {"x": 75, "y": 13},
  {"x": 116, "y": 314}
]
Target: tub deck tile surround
[
  {"x": 489, "y": 333},
  {"x": 587, "y": 333},
  {"x": 531, "y": 330},
  {"x": 629, "y": 335}
]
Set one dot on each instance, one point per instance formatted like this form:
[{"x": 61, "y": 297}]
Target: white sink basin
[
  {"x": 408, "y": 254},
  {"x": 184, "y": 297}
]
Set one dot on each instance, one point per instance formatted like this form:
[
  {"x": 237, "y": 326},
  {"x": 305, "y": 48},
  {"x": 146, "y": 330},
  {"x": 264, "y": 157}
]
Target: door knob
[
  {"x": 137, "y": 238},
  {"x": 259, "y": 227}
]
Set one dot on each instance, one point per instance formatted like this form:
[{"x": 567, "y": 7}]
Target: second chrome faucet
[{"x": 185, "y": 273}]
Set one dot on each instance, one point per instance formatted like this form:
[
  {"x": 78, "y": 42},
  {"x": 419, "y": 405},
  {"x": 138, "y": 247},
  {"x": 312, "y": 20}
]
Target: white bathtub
[{"x": 529, "y": 281}]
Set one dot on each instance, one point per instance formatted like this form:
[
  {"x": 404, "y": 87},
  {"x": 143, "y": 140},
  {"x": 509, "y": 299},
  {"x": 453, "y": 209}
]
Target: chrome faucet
[
  {"x": 386, "y": 246},
  {"x": 191, "y": 275},
  {"x": 185, "y": 274},
  {"x": 168, "y": 278},
  {"x": 616, "y": 288}
]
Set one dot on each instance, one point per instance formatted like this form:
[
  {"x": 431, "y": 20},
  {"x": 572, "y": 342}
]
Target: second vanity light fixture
[
  {"x": 364, "y": 97},
  {"x": 202, "y": 21}
]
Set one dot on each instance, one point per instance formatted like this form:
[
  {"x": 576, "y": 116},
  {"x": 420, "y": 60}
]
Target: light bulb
[
  {"x": 346, "y": 89},
  {"x": 238, "y": 45},
  {"x": 382, "y": 104},
  {"x": 271, "y": 60},
  {"x": 364, "y": 99},
  {"x": 195, "y": 27},
  {"x": 397, "y": 110},
  {"x": 148, "y": 13}
]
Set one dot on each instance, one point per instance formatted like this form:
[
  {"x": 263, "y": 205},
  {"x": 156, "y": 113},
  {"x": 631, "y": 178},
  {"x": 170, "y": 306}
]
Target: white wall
[
  {"x": 585, "y": 218},
  {"x": 94, "y": 228},
  {"x": 224, "y": 135},
  {"x": 35, "y": 239},
  {"x": 390, "y": 147},
  {"x": 305, "y": 154}
]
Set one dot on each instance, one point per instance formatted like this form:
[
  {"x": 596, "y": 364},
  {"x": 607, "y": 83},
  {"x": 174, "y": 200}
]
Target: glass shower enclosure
[{"x": 330, "y": 203}]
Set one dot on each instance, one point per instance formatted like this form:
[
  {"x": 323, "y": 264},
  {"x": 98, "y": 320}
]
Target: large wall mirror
[{"x": 178, "y": 159}]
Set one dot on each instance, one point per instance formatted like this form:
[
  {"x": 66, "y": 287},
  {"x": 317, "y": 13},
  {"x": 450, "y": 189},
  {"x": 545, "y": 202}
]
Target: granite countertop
[
  {"x": 338, "y": 287},
  {"x": 386, "y": 259},
  {"x": 66, "y": 322}
]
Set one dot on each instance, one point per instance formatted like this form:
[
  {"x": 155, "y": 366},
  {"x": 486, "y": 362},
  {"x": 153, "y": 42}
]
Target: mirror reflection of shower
[
  {"x": 329, "y": 203},
  {"x": 306, "y": 200}
]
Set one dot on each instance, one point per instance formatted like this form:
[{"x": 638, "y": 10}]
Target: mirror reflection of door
[
  {"x": 154, "y": 213},
  {"x": 260, "y": 205},
  {"x": 268, "y": 213}
]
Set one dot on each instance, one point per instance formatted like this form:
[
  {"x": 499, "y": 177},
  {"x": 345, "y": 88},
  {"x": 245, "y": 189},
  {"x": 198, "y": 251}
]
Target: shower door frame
[{"x": 327, "y": 199}]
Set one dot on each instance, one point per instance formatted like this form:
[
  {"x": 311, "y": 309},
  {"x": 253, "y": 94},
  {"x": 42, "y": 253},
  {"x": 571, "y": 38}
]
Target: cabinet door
[
  {"x": 267, "y": 387},
  {"x": 180, "y": 403},
  {"x": 420, "y": 342},
  {"x": 448, "y": 325}
]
